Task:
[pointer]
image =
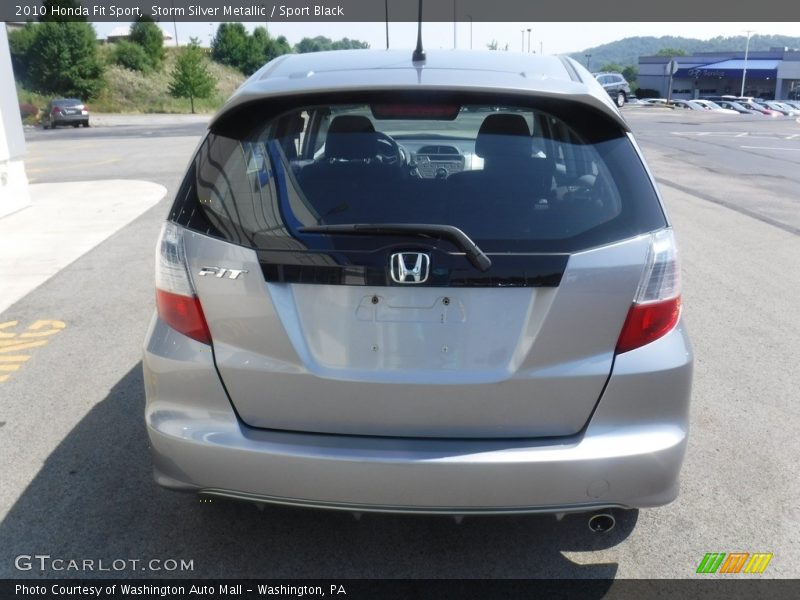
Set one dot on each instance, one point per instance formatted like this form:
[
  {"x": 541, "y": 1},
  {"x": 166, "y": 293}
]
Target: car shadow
[{"x": 94, "y": 499}]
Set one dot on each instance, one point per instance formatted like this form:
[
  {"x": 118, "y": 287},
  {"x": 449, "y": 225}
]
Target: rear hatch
[{"x": 340, "y": 300}]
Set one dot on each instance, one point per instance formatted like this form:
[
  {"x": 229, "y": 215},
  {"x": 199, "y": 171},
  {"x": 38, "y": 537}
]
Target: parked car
[
  {"x": 371, "y": 299},
  {"x": 616, "y": 85},
  {"x": 758, "y": 107},
  {"x": 65, "y": 111},
  {"x": 656, "y": 101},
  {"x": 788, "y": 110},
  {"x": 689, "y": 105},
  {"x": 632, "y": 99},
  {"x": 714, "y": 107},
  {"x": 793, "y": 103},
  {"x": 777, "y": 107},
  {"x": 735, "y": 106}
]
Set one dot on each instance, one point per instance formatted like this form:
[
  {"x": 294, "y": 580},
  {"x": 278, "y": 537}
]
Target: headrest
[
  {"x": 351, "y": 124},
  {"x": 503, "y": 136},
  {"x": 351, "y": 137}
]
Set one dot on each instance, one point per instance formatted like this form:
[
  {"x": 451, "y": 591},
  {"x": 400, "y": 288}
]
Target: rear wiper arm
[{"x": 453, "y": 234}]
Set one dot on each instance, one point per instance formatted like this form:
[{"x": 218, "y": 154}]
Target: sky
[{"x": 552, "y": 38}]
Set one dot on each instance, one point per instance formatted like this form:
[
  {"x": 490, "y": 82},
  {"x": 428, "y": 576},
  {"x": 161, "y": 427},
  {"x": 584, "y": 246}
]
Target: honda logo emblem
[{"x": 409, "y": 267}]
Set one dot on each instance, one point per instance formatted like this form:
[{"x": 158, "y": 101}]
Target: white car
[{"x": 713, "y": 106}]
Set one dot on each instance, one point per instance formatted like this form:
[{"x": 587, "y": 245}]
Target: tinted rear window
[{"x": 522, "y": 177}]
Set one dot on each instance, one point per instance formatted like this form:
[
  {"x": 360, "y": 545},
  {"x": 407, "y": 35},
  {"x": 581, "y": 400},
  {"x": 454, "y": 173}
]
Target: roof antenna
[{"x": 419, "y": 53}]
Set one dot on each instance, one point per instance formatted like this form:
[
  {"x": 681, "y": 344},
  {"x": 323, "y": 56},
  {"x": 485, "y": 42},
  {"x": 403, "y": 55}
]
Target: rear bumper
[
  {"x": 629, "y": 455},
  {"x": 69, "y": 119}
]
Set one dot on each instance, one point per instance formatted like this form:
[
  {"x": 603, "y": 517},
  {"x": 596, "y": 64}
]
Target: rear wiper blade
[{"x": 453, "y": 234}]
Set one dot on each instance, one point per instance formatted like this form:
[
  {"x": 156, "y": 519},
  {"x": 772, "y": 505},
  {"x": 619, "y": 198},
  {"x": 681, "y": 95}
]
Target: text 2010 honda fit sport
[{"x": 442, "y": 286}]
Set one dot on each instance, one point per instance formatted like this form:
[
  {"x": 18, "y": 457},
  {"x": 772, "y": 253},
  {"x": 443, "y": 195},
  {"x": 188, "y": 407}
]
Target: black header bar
[{"x": 402, "y": 10}]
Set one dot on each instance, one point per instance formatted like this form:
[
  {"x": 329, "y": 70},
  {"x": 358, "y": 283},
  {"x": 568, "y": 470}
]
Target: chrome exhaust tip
[{"x": 602, "y": 522}]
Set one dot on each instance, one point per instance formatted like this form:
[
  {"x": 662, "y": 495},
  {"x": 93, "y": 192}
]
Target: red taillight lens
[
  {"x": 184, "y": 314},
  {"x": 648, "y": 322},
  {"x": 656, "y": 306},
  {"x": 56, "y": 110},
  {"x": 177, "y": 302}
]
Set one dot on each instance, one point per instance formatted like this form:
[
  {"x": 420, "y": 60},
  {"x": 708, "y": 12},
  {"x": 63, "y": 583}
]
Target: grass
[{"x": 128, "y": 91}]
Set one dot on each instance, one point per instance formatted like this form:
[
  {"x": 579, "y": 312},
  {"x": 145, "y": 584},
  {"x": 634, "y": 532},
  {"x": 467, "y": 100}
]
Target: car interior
[{"x": 496, "y": 173}]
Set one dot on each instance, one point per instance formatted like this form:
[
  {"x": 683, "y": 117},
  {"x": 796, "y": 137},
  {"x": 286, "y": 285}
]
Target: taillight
[
  {"x": 176, "y": 301},
  {"x": 56, "y": 110},
  {"x": 656, "y": 307}
]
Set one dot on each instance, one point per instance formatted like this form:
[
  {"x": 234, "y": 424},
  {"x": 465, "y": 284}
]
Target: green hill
[
  {"x": 626, "y": 52},
  {"x": 127, "y": 91},
  {"x": 131, "y": 91}
]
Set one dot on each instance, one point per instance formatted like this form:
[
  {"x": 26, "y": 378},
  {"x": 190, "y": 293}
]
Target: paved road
[
  {"x": 76, "y": 480},
  {"x": 150, "y": 147},
  {"x": 752, "y": 160}
]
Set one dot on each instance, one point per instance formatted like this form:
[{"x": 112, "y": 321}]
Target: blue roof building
[{"x": 767, "y": 74}]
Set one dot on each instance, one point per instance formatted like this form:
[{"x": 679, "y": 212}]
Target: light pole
[
  {"x": 470, "y": 31},
  {"x": 746, "y": 50},
  {"x": 529, "y": 40},
  {"x": 541, "y": 48},
  {"x": 522, "y": 48},
  {"x": 588, "y": 62},
  {"x": 174, "y": 24},
  {"x": 386, "y": 8},
  {"x": 266, "y": 20},
  {"x": 455, "y": 43}
]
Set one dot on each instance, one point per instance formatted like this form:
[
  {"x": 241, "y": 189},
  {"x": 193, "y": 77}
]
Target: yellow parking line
[
  {"x": 55, "y": 327},
  {"x": 6, "y": 325},
  {"x": 21, "y": 346},
  {"x": 11, "y": 343},
  {"x": 15, "y": 358}
]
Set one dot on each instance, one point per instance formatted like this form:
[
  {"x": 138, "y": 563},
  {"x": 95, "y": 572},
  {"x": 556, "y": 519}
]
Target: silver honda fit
[{"x": 435, "y": 286}]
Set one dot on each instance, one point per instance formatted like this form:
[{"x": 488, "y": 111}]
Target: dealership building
[{"x": 772, "y": 74}]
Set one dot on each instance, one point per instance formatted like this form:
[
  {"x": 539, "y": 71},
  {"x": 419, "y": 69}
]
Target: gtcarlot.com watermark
[{"x": 47, "y": 563}]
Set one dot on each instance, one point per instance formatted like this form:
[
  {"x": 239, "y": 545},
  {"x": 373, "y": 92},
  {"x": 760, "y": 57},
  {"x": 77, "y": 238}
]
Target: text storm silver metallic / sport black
[{"x": 442, "y": 286}]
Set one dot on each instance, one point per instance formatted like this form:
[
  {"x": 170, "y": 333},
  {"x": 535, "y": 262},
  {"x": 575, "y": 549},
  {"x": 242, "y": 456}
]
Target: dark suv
[{"x": 616, "y": 86}]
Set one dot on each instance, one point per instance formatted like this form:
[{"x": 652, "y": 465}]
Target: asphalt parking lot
[{"x": 77, "y": 481}]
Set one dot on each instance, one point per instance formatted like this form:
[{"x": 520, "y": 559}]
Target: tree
[
  {"x": 265, "y": 48},
  {"x": 322, "y": 43},
  {"x": 348, "y": 44},
  {"x": 257, "y": 47},
  {"x": 493, "y": 45},
  {"x": 631, "y": 74},
  {"x": 611, "y": 68},
  {"x": 131, "y": 56},
  {"x": 317, "y": 44},
  {"x": 190, "y": 77},
  {"x": 235, "y": 47},
  {"x": 19, "y": 41},
  {"x": 62, "y": 59},
  {"x": 672, "y": 52},
  {"x": 280, "y": 46},
  {"x": 149, "y": 36},
  {"x": 230, "y": 45}
]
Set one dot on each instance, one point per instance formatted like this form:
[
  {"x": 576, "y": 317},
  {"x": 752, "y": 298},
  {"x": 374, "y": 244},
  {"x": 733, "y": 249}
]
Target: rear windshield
[
  {"x": 513, "y": 177},
  {"x": 67, "y": 102}
]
